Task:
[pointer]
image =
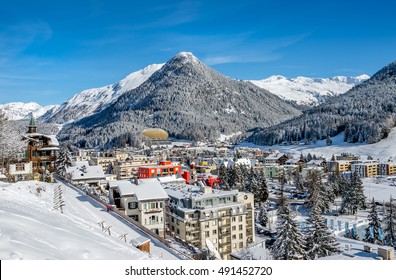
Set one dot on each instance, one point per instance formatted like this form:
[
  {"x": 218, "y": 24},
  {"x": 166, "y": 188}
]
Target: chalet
[
  {"x": 39, "y": 158},
  {"x": 317, "y": 163},
  {"x": 276, "y": 158}
]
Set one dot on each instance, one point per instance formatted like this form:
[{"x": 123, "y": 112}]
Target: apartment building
[
  {"x": 365, "y": 169},
  {"x": 129, "y": 168},
  {"x": 388, "y": 168},
  {"x": 142, "y": 200},
  {"x": 225, "y": 218}
]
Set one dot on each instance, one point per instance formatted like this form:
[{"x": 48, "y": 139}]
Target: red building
[
  {"x": 211, "y": 181},
  {"x": 164, "y": 168}
]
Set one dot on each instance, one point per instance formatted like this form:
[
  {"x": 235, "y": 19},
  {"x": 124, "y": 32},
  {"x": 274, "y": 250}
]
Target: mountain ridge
[
  {"x": 93, "y": 100},
  {"x": 189, "y": 100},
  {"x": 309, "y": 91},
  {"x": 366, "y": 113}
]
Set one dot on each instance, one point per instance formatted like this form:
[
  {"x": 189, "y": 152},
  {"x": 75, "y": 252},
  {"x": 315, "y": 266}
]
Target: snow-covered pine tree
[
  {"x": 372, "y": 231},
  {"x": 298, "y": 180},
  {"x": 237, "y": 178},
  {"x": 251, "y": 182},
  {"x": 348, "y": 204},
  {"x": 11, "y": 141},
  {"x": 289, "y": 243},
  {"x": 261, "y": 193},
  {"x": 389, "y": 223},
  {"x": 320, "y": 241},
  {"x": 318, "y": 193},
  {"x": 223, "y": 175},
  {"x": 63, "y": 161},
  {"x": 262, "y": 217},
  {"x": 357, "y": 187}
]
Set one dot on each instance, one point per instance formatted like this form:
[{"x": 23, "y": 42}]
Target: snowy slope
[
  {"x": 30, "y": 229},
  {"x": 94, "y": 100},
  {"x": 383, "y": 150},
  {"x": 309, "y": 91},
  {"x": 20, "y": 110}
]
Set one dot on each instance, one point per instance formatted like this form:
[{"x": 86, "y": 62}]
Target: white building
[
  {"x": 21, "y": 171},
  {"x": 83, "y": 173},
  {"x": 143, "y": 200}
]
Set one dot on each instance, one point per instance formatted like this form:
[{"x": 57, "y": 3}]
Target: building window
[
  {"x": 234, "y": 245},
  {"x": 20, "y": 167},
  {"x": 206, "y": 233},
  {"x": 240, "y": 218},
  {"x": 234, "y": 219},
  {"x": 240, "y": 227},
  {"x": 233, "y": 228},
  {"x": 177, "y": 231},
  {"x": 214, "y": 240},
  {"x": 214, "y": 223},
  {"x": 234, "y": 236},
  {"x": 132, "y": 205},
  {"x": 214, "y": 231},
  {"x": 240, "y": 244},
  {"x": 241, "y": 236}
]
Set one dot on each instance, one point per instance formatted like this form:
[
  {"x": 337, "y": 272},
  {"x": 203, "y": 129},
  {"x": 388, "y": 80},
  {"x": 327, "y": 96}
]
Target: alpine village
[{"x": 190, "y": 164}]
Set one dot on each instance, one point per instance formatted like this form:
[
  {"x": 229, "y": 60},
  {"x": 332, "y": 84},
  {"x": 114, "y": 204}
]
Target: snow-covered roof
[
  {"x": 275, "y": 156},
  {"x": 145, "y": 189},
  {"x": 48, "y": 149},
  {"x": 53, "y": 141},
  {"x": 315, "y": 162},
  {"x": 83, "y": 171},
  {"x": 171, "y": 179},
  {"x": 139, "y": 241}
]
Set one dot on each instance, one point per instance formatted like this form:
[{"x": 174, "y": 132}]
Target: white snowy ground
[
  {"x": 383, "y": 150},
  {"x": 30, "y": 229}
]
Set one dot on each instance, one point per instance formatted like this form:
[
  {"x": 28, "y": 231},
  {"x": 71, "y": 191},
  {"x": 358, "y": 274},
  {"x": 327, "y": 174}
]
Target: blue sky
[{"x": 50, "y": 50}]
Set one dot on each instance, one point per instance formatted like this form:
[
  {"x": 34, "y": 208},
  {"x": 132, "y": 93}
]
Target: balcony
[
  {"x": 193, "y": 229},
  {"x": 225, "y": 241}
]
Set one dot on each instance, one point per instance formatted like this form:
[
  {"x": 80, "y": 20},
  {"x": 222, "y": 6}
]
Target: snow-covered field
[
  {"x": 31, "y": 229},
  {"x": 383, "y": 150}
]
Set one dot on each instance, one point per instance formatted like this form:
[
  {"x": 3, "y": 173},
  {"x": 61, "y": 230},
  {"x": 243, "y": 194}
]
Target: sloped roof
[
  {"x": 90, "y": 172},
  {"x": 145, "y": 190}
]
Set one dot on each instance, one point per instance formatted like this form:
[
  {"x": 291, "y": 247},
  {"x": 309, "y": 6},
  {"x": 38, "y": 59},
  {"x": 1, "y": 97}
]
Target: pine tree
[
  {"x": 223, "y": 175},
  {"x": 357, "y": 187},
  {"x": 318, "y": 193},
  {"x": 290, "y": 243},
  {"x": 390, "y": 224},
  {"x": 251, "y": 182},
  {"x": 262, "y": 218},
  {"x": 350, "y": 198},
  {"x": 63, "y": 161},
  {"x": 237, "y": 178},
  {"x": 320, "y": 241},
  {"x": 372, "y": 231},
  {"x": 261, "y": 192}
]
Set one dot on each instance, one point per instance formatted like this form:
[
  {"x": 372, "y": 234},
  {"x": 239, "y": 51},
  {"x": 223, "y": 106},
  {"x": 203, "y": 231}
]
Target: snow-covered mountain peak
[
  {"x": 94, "y": 100},
  {"x": 185, "y": 57},
  {"x": 20, "y": 110},
  {"x": 309, "y": 91}
]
